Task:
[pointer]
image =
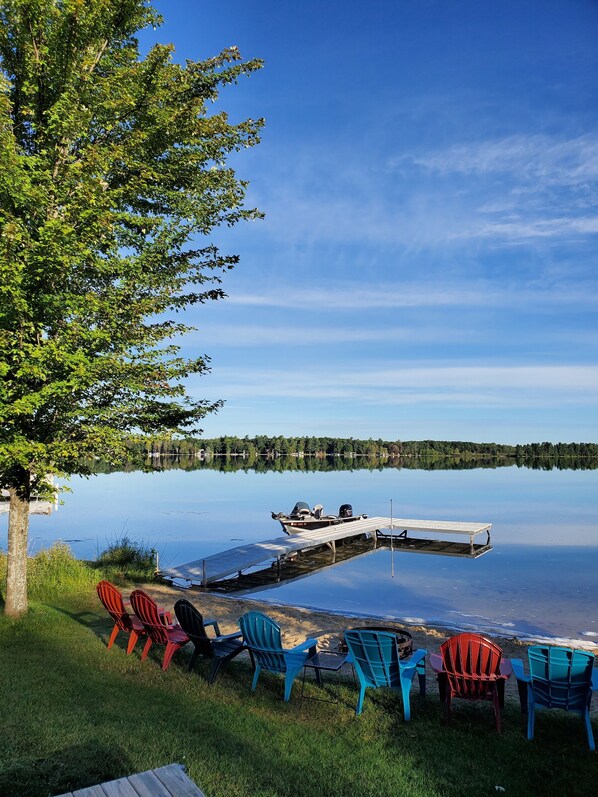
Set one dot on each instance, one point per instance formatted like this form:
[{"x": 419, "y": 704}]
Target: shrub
[
  {"x": 126, "y": 559},
  {"x": 54, "y": 572}
]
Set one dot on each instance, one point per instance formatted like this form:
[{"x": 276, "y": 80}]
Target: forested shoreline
[{"x": 263, "y": 453}]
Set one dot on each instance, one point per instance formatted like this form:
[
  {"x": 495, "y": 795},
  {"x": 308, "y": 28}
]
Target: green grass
[{"x": 74, "y": 714}]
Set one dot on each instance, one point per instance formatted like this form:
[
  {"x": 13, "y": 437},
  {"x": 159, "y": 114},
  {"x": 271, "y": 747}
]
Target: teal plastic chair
[
  {"x": 375, "y": 657},
  {"x": 558, "y": 678},
  {"x": 263, "y": 639}
]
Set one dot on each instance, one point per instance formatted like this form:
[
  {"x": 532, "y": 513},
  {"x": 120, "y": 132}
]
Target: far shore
[{"x": 298, "y": 623}]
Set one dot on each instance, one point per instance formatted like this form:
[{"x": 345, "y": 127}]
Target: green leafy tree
[{"x": 113, "y": 174}]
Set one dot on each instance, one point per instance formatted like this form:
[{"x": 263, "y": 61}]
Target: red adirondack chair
[
  {"x": 471, "y": 667},
  {"x": 114, "y": 604},
  {"x": 157, "y": 628}
]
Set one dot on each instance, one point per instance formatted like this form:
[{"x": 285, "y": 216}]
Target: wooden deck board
[
  {"x": 168, "y": 781},
  {"x": 119, "y": 788},
  {"x": 174, "y": 778},
  {"x": 92, "y": 791},
  {"x": 234, "y": 560},
  {"x": 147, "y": 784}
]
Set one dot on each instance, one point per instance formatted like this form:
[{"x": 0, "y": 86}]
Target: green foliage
[
  {"x": 126, "y": 559},
  {"x": 54, "y": 573},
  {"x": 264, "y": 453},
  {"x": 113, "y": 174}
]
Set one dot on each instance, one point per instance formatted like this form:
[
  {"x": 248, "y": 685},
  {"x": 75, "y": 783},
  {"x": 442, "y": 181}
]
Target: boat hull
[{"x": 292, "y": 526}]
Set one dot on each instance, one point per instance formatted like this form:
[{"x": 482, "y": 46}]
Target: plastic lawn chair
[
  {"x": 375, "y": 657},
  {"x": 471, "y": 667},
  {"x": 219, "y": 648},
  {"x": 113, "y": 602},
  {"x": 559, "y": 677},
  {"x": 263, "y": 639},
  {"x": 157, "y": 628}
]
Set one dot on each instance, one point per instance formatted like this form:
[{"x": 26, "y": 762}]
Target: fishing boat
[{"x": 302, "y": 518}]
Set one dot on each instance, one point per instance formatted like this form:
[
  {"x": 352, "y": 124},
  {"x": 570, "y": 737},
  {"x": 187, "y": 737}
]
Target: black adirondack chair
[{"x": 220, "y": 648}]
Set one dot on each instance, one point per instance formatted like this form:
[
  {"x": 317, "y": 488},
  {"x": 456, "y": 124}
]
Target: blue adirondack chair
[
  {"x": 263, "y": 639},
  {"x": 375, "y": 656},
  {"x": 558, "y": 678}
]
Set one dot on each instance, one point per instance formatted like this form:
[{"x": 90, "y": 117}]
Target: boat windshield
[{"x": 301, "y": 508}]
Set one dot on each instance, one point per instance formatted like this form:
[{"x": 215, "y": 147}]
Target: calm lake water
[{"x": 539, "y": 581}]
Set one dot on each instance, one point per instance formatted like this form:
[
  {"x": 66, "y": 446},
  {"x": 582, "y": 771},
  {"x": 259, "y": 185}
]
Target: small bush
[
  {"x": 126, "y": 559},
  {"x": 53, "y": 572}
]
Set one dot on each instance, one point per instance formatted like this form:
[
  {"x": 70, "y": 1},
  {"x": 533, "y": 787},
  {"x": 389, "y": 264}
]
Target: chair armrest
[
  {"x": 237, "y": 635},
  {"x": 215, "y": 625},
  {"x": 517, "y": 665},
  {"x": 309, "y": 643},
  {"x": 413, "y": 660},
  {"x": 506, "y": 668},
  {"x": 595, "y": 680},
  {"x": 436, "y": 662}
]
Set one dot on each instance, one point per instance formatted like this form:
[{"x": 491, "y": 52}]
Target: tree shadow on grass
[
  {"x": 68, "y": 769},
  {"x": 100, "y": 625}
]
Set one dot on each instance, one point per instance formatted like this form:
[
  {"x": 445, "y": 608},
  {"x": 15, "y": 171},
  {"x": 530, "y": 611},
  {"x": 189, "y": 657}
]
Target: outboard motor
[
  {"x": 318, "y": 511},
  {"x": 346, "y": 510}
]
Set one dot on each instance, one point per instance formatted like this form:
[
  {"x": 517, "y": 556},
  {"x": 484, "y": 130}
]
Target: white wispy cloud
[
  {"x": 463, "y": 385},
  {"x": 549, "y": 160},
  {"x": 419, "y": 294},
  {"x": 309, "y": 335},
  {"x": 525, "y": 230},
  {"x": 519, "y": 188}
]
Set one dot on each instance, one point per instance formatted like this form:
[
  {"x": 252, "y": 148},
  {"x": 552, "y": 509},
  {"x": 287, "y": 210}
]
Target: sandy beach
[{"x": 298, "y": 623}]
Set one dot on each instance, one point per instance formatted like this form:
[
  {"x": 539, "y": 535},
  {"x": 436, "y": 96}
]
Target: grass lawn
[{"x": 74, "y": 714}]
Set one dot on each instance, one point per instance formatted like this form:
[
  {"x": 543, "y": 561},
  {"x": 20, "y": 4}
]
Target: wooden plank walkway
[
  {"x": 169, "y": 781},
  {"x": 235, "y": 560}
]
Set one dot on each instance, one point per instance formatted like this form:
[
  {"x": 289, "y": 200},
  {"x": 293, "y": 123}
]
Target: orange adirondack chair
[
  {"x": 158, "y": 628},
  {"x": 471, "y": 667},
  {"x": 114, "y": 604}
]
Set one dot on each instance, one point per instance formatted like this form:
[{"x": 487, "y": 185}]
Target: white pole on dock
[{"x": 392, "y": 550}]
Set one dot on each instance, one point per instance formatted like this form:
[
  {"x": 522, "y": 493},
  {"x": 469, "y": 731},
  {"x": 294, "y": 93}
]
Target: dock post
[
  {"x": 333, "y": 546},
  {"x": 204, "y": 581}
]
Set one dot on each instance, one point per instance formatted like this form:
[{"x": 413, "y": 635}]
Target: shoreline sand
[{"x": 298, "y": 623}]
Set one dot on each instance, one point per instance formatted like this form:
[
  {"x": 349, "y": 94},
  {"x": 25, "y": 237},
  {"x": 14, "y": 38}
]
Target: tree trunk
[{"x": 16, "y": 580}]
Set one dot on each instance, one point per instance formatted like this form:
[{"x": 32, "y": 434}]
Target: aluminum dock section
[{"x": 235, "y": 560}]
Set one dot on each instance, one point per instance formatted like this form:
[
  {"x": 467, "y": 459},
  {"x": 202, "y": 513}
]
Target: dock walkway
[
  {"x": 235, "y": 560},
  {"x": 169, "y": 781}
]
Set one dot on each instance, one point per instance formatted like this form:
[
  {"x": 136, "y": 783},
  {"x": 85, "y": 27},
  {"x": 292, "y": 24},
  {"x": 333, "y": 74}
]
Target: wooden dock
[
  {"x": 219, "y": 566},
  {"x": 169, "y": 781}
]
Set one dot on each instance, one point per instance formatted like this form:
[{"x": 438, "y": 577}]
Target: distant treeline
[{"x": 264, "y": 453}]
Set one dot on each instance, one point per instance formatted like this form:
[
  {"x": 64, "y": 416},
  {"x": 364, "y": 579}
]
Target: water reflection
[{"x": 544, "y": 535}]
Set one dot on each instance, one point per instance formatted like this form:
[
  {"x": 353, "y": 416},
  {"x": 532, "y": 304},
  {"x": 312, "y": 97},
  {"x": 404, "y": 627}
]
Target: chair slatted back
[
  {"x": 472, "y": 664},
  {"x": 262, "y": 636},
  {"x": 561, "y": 677},
  {"x": 191, "y": 621},
  {"x": 146, "y": 610},
  {"x": 375, "y": 655},
  {"x": 112, "y": 600}
]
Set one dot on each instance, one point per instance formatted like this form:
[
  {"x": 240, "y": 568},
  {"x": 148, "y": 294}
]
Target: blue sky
[{"x": 427, "y": 264}]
